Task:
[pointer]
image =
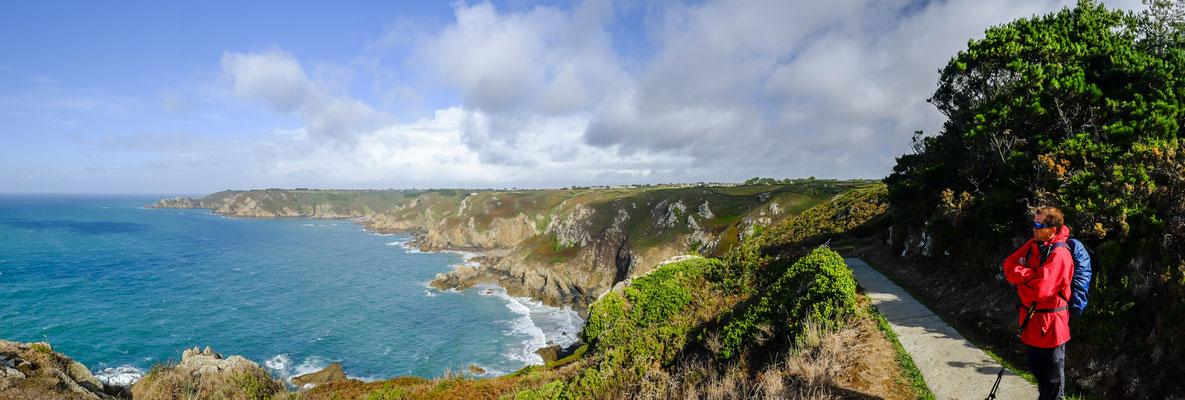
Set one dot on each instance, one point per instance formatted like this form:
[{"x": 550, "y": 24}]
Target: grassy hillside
[
  {"x": 726, "y": 210},
  {"x": 692, "y": 329}
]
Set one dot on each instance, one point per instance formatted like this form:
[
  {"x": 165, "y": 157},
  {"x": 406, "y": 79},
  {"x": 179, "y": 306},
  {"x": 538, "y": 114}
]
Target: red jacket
[{"x": 1042, "y": 283}]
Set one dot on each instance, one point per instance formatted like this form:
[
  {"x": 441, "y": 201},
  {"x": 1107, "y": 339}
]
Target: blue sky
[{"x": 152, "y": 97}]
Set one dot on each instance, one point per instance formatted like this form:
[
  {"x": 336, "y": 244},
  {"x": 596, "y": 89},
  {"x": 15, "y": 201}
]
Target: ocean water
[{"x": 120, "y": 288}]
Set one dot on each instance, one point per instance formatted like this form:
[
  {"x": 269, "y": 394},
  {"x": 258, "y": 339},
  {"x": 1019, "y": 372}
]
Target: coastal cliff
[
  {"x": 36, "y": 371},
  {"x": 278, "y": 203},
  {"x": 562, "y": 247},
  {"x": 567, "y": 247}
]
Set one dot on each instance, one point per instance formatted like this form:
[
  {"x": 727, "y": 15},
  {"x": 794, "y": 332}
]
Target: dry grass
[
  {"x": 853, "y": 362},
  {"x": 450, "y": 385},
  {"x": 241, "y": 382}
]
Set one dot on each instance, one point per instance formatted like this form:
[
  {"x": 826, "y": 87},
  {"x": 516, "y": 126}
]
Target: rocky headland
[
  {"x": 36, "y": 371},
  {"x": 561, "y": 247}
]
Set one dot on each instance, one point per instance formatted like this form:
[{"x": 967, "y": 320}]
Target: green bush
[
  {"x": 1080, "y": 109},
  {"x": 42, "y": 347},
  {"x": 556, "y": 390},
  {"x": 738, "y": 270},
  {"x": 818, "y": 287},
  {"x": 647, "y": 324},
  {"x": 650, "y": 299}
]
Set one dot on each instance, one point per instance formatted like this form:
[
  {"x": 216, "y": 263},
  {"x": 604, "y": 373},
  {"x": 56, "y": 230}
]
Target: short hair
[{"x": 1053, "y": 216}]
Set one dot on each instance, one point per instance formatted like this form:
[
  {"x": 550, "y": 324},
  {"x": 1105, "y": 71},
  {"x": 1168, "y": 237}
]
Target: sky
[{"x": 197, "y": 97}]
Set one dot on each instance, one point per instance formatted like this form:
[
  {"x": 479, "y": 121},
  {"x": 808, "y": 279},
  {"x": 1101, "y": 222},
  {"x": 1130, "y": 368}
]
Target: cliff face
[
  {"x": 564, "y": 247},
  {"x": 274, "y": 203},
  {"x": 35, "y": 371},
  {"x": 569, "y": 247}
]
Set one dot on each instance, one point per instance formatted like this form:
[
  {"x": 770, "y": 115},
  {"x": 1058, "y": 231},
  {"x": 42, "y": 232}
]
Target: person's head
[{"x": 1047, "y": 221}]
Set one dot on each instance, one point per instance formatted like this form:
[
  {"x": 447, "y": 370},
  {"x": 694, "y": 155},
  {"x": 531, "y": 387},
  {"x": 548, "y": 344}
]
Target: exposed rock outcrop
[
  {"x": 35, "y": 371},
  {"x": 574, "y": 229},
  {"x": 332, "y": 373},
  {"x": 435, "y": 234},
  {"x": 561, "y": 247},
  {"x": 178, "y": 202},
  {"x": 557, "y": 352},
  {"x": 206, "y": 374},
  {"x": 206, "y": 361}
]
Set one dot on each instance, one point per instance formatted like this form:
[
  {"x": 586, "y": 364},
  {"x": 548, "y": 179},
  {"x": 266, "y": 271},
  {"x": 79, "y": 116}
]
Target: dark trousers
[{"x": 1049, "y": 367}]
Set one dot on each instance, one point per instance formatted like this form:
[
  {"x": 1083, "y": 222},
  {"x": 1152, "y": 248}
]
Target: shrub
[
  {"x": 42, "y": 347},
  {"x": 818, "y": 287}
]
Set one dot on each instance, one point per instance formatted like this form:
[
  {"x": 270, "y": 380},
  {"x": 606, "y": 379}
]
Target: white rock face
[
  {"x": 573, "y": 230},
  {"x": 671, "y": 217},
  {"x": 208, "y": 362},
  {"x": 8, "y": 372},
  {"x": 705, "y": 212}
]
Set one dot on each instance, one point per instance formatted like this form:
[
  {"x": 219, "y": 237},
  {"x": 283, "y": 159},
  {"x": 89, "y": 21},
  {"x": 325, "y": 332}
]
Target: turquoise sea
[{"x": 119, "y": 288}]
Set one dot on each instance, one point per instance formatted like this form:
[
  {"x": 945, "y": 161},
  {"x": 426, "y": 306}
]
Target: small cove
[{"x": 120, "y": 288}]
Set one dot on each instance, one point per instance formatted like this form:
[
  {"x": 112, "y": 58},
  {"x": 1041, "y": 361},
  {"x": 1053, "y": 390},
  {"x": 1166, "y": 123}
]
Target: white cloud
[
  {"x": 728, "y": 90},
  {"x": 277, "y": 78},
  {"x": 765, "y": 87}
]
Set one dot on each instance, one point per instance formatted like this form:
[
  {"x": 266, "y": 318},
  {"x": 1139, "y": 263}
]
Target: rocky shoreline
[
  {"x": 561, "y": 253},
  {"x": 36, "y": 371}
]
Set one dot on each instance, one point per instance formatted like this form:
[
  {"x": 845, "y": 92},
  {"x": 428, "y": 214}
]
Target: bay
[{"x": 120, "y": 288}]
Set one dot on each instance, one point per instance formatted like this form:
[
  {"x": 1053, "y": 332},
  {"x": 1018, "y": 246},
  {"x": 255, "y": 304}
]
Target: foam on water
[
  {"x": 281, "y": 365},
  {"x": 266, "y": 274},
  {"x": 123, "y": 375},
  {"x": 537, "y": 324},
  {"x": 279, "y": 362}
]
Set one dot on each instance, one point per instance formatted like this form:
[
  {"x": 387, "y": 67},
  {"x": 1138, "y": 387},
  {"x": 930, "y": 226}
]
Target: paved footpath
[{"x": 952, "y": 366}]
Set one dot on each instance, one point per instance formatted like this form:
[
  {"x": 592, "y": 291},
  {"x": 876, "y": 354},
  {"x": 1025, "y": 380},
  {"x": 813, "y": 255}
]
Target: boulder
[
  {"x": 557, "y": 352},
  {"x": 81, "y": 374},
  {"x": 549, "y": 353},
  {"x": 207, "y": 361},
  {"x": 8, "y": 372},
  {"x": 476, "y": 370},
  {"x": 332, "y": 373},
  {"x": 69, "y": 384}
]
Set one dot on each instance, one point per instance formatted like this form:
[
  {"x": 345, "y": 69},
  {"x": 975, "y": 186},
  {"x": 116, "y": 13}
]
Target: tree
[{"x": 1080, "y": 109}]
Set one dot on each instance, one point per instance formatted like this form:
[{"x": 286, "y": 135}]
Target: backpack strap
[
  {"x": 1044, "y": 256},
  {"x": 1046, "y": 310}
]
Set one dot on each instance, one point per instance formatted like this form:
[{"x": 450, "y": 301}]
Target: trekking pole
[{"x": 999, "y": 376}]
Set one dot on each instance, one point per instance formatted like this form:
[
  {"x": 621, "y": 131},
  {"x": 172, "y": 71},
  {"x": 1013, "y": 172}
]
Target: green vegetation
[
  {"x": 819, "y": 287},
  {"x": 746, "y": 322},
  {"x": 1079, "y": 109},
  {"x": 856, "y": 212},
  {"x": 42, "y": 347}
]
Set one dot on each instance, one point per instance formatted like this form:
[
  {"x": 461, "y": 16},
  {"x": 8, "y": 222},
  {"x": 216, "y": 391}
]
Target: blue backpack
[{"x": 1080, "y": 281}]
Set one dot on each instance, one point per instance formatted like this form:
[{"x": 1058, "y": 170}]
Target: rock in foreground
[
  {"x": 35, "y": 371},
  {"x": 332, "y": 373},
  {"x": 204, "y": 374}
]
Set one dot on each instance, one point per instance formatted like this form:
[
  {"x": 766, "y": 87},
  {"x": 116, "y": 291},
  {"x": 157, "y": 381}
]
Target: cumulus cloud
[
  {"x": 764, "y": 87},
  {"x": 431, "y": 152},
  {"x": 721, "y": 90},
  {"x": 277, "y": 79}
]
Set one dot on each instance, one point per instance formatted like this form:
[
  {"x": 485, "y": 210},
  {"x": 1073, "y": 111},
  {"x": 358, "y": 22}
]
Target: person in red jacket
[{"x": 1041, "y": 273}]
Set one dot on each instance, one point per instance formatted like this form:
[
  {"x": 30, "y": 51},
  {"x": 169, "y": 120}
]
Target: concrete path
[{"x": 952, "y": 366}]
